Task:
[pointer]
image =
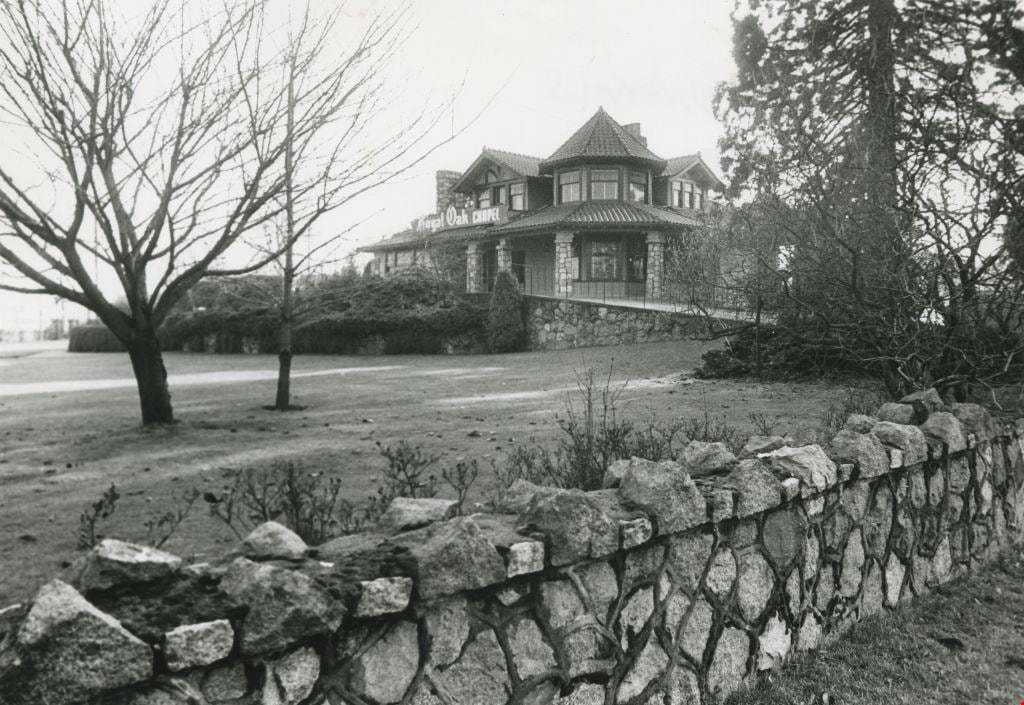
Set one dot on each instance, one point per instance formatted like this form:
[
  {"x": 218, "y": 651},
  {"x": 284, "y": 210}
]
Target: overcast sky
[{"x": 537, "y": 70}]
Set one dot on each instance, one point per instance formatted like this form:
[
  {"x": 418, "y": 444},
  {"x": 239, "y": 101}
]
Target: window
[
  {"x": 604, "y": 260},
  {"x": 638, "y": 186},
  {"x": 517, "y": 193},
  {"x": 636, "y": 260},
  {"x": 677, "y": 194},
  {"x": 604, "y": 184},
  {"x": 688, "y": 194},
  {"x": 483, "y": 199},
  {"x": 574, "y": 262},
  {"x": 500, "y": 195},
  {"x": 698, "y": 198},
  {"x": 568, "y": 186}
]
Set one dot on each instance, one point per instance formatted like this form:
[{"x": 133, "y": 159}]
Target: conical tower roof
[{"x": 601, "y": 138}]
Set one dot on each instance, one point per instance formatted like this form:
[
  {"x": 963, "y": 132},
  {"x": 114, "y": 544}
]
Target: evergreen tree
[
  {"x": 506, "y": 331},
  {"x": 882, "y": 139}
]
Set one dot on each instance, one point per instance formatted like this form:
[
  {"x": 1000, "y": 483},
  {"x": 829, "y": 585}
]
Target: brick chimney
[
  {"x": 445, "y": 179},
  {"x": 633, "y": 128}
]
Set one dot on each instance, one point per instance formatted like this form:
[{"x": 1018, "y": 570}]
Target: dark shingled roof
[
  {"x": 598, "y": 214},
  {"x": 602, "y": 138},
  {"x": 678, "y": 165},
  {"x": 519, "y": 163}
]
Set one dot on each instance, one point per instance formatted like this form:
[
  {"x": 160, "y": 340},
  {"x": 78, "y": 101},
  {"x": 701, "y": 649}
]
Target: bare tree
[{"x": 154, "y": 144}]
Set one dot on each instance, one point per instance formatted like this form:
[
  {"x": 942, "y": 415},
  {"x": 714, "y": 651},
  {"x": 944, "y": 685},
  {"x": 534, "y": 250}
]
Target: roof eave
[{"x": 548, "y": 165}]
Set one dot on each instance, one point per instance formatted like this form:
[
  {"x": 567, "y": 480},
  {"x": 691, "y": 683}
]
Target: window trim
[
  {"x": 563, "y": 183},
  {"x": 521, "y": 187},
  {"x": 616, "y": 257},
  {"x": 639, "y": 178},
  {"x": 605, "y": 172}
]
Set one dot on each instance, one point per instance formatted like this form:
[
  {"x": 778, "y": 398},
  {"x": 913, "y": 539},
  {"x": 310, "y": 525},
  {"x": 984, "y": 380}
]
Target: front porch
[{"x": 624, "y": 266}]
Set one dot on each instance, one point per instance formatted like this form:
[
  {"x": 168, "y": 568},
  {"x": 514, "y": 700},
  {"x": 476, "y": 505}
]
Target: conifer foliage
[{"x": 506, "y": 331}]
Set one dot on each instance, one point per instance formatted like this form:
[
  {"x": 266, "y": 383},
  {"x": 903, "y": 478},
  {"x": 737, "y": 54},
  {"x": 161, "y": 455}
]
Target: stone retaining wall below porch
[
  {"x": 558, "y": 324},
  {"x": 675, "y": 585}
]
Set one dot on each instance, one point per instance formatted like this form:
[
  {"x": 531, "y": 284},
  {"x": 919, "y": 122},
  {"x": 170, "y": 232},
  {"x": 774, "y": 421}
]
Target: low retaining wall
[
  {"x": 675, "y": 585},
  {"x": 558, "y": 324}
]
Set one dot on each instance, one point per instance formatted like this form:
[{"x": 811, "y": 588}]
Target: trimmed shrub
[
  {"x": 411, "y": 311},
  {"x": 93, "y": 337},
  {"x": 506, "y": 331}
]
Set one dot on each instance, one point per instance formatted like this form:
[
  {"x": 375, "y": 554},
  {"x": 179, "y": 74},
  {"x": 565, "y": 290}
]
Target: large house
[{"x": 594, "y": 215}]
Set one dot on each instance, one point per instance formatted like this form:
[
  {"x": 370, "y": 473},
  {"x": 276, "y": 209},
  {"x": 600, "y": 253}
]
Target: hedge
[{"x": 92, "y": 338}]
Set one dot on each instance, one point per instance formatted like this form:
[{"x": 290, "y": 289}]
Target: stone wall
[
  {"x": 676, "y": 584},
  {"x": 558, "y": 324}
]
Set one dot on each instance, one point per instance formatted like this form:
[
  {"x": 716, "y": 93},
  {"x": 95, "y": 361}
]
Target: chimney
[
  {"x": 633, "y": 128},
  {"x": 445, "y": 179}
]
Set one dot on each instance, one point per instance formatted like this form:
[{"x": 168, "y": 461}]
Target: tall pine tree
[{"x": 878, "y": 135}]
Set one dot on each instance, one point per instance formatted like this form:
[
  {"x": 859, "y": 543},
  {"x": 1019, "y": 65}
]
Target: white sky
[{"x": 545, "y": 66}]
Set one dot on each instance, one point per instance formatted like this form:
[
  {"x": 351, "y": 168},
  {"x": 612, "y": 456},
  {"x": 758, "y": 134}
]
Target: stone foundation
[
  {"x": 676, "y": 584},
  {"x": 558, "y": 324}
]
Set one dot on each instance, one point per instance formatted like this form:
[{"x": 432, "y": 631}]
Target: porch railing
[{"x": 674, "y": 296}]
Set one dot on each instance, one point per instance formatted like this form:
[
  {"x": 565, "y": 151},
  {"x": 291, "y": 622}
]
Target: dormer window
[
  {"x": 517, "y": 196},
  {"x": 500, "y": 196},
  {"x": 638, "y": 186},
  {"x": 689, "y": 194},
  {"x": 604, "y": 184},
  {"x": 483, "y": 199},
  {"x": 568, "y": 186}
]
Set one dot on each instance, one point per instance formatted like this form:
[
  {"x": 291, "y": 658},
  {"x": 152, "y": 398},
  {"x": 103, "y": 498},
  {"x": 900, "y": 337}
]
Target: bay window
[
  {"x": 568, "y": 186},
  {"x": 638, "y": 186},
  {"x": 604, "y": 184}
]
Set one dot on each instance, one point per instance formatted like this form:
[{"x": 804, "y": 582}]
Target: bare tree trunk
[
  {"x": 284, "y": 353},
  {"x": 150, "y": 377}
]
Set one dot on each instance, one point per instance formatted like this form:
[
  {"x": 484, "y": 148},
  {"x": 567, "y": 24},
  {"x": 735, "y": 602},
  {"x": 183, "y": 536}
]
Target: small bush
[
  {"x": 594, "y": 436},
  {"x": 97, "y": 514},
  {"x": 92, "y": 338},
  {"x": 855, "y": 401},
  {"x": 312, "y": 504},
  {"x": 309, "y": 503},
  {"x": 506, "y": 331}
]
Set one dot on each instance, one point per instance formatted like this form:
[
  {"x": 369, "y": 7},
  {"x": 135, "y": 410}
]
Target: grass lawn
[
  {"x": 962, "y": 645},
  {"x": 69, "y": 427}
]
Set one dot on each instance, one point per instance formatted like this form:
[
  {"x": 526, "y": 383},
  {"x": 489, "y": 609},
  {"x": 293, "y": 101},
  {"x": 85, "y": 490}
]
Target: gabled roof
[
  {"x": 601, "y": 137},
  {"x": 598, "y": 214},
  {"x": 519, "y": 163},
  {"x": 681, "y": 165}
]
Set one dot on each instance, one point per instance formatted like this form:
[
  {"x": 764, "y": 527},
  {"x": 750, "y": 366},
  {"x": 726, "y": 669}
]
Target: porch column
[
  {"x": 563, "y": 262},
  {"x": 504, "y": 255},
  {"x": 655, "y": 266},
  {"x": 474, "y": 269}
]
